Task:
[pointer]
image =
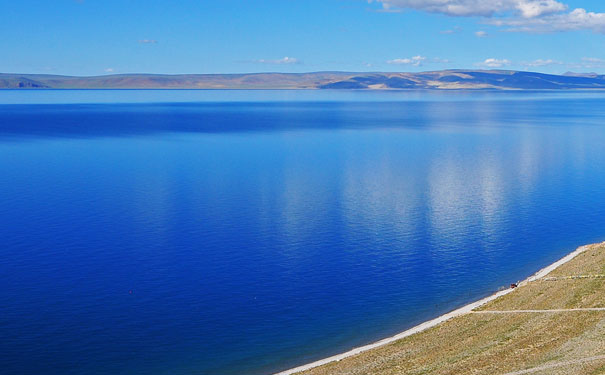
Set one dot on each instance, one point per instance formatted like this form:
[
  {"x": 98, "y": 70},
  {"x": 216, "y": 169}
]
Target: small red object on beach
[{"x": 513, "y": 286}]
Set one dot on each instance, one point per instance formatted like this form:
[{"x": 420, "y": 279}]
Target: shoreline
[{"x": 434, "y": 322}]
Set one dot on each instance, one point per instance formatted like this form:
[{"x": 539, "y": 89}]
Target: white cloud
[
  {"x": 584, "y": 64},
  {"x": 418, "y": 61},
  {"x": 589, "y": 63},
  {"x": 148, "y": 41},
  {"x": 285, "y": 60},
  {"x": 481, "y": 34},
  {"x": 494, "y": 63},
  {"x": 537, "y": 8},
  {"x": 484, "y": 8},
  {"x": 578, "y": 19},
  {"x": 108, "y": 70},
  {"x": 541, "y": 62},
  {"x": 515, "y": 15},
  {"x": 593, "y": 60},
  {"x": 415, "y": 61}
]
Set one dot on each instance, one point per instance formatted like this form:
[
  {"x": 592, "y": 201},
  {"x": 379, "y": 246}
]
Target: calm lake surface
[{"x": 245, "y": 232}]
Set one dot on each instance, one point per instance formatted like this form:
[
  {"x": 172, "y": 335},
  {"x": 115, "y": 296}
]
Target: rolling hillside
[{"x": 438, "y": 80}]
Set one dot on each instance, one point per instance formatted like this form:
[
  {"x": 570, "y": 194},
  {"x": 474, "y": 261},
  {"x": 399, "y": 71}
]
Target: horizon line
[{"x": 302, "y": 73}]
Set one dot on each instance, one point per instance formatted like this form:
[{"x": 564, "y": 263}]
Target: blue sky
[{"x": 95, "y": 37}]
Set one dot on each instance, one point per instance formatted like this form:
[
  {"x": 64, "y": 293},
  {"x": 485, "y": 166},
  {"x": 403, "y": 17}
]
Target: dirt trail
[
  {"x": 560, "y": 364},
  {"x": 537, "y": 311}
]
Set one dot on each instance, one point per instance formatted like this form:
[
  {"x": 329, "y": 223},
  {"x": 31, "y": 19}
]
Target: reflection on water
[{"x": 230, "y": 238}]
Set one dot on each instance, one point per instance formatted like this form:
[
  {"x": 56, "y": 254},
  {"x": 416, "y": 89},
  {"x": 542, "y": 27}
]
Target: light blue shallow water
[{"x": 248, "y": 232}]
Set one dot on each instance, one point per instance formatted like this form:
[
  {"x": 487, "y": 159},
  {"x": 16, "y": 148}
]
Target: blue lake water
[{"x": 245, "y": 232}]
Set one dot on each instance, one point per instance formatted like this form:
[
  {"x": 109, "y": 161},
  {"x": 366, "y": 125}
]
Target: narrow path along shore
[
  {"x": 537, "y": 311},
  {"x": 506, "y": 315},
  {"x": 575, "y": 277},
  {"x": 555, "y": 365}
]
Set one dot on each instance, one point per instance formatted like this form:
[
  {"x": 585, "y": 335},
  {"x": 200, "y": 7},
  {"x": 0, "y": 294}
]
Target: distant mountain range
[{"x": 437, "y": 80}]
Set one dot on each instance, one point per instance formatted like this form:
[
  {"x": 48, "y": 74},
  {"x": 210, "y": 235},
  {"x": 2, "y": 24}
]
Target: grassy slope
[
  {"x": 498, "y": 344},
  {"x": 444, "y": 80}
]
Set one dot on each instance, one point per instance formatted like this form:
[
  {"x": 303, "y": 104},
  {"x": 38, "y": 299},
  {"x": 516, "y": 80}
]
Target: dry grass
[
  {"x": 591, "y": 368},
  {"x": 590, "y": 262},
  {"x": 499, "y": 344},
  {"x": 560, "y": 294}
]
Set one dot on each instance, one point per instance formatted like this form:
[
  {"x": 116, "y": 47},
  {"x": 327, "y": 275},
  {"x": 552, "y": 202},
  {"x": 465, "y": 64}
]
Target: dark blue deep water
[{"x": 248, "y": 232}]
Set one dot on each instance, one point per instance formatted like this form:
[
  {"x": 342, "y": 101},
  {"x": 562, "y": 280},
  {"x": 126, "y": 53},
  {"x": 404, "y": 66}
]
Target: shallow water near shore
[{"x": 246, "y": 232}]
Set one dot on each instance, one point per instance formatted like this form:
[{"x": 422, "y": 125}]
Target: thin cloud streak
[
  {"x": 541, "y": 63},
  {"x": 283, "y": 61},
  {"x": 454, "y": 30},
  {"x": 415, "y": 61},
  {"x": 583, "y": 64},
  {"x": 418, "y": 61}
]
